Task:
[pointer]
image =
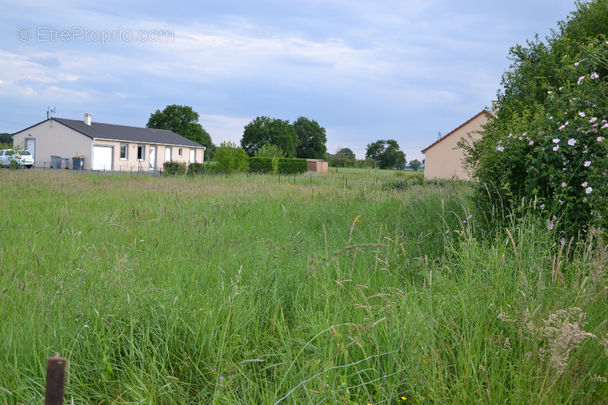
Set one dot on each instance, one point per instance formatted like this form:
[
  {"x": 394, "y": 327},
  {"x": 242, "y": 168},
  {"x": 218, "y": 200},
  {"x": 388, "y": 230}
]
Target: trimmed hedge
[
  {"x": 260, "y": 165},
  {"x": 173, "y": 168},
  {"x": 292, "y": 166}
]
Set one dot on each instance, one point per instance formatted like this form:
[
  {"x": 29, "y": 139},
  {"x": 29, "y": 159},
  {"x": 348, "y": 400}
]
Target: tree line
[{"x": 272, "y": 137}]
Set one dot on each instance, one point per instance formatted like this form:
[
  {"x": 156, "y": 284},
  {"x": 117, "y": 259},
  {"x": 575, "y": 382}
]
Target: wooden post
[{"x": 55, "y": 380}]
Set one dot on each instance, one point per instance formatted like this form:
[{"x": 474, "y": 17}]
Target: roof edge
[
  {"x": 486, "y": 112},
  {"x": 151, "y": 143}
]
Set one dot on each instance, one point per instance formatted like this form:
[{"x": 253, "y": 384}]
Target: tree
[
  {"x": 6, "y": 140},
  {"x": 311, "y": 139},
  {"x": 269, "y": 150},
  {"x": 265, "y": 130},
  {"x": 415, "y": 164},
  {"x": 231, "y": 158},
  {"x": 182, "y": 120},
  {"x": 345, "y": 153},
  {"x": 387, "y": 154}
]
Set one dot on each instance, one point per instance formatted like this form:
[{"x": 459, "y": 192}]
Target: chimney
[{"x": 87, "y": 119}]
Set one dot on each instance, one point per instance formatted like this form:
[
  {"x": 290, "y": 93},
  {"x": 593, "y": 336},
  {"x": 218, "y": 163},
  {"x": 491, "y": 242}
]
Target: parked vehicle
[{"x": 22, "y": 158}]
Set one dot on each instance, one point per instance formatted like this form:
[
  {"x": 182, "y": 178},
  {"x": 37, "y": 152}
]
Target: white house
[{"x": 106, "y": 146}]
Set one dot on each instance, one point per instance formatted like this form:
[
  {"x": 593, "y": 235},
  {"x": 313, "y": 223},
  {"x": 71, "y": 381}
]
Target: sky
[{"x": 364, "y": 70}]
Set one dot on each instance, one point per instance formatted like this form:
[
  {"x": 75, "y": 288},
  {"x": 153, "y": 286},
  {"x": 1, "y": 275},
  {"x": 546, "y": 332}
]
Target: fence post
[{"x": 55, "y": 380}]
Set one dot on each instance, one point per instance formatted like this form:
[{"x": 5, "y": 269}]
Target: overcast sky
[{"x": 365, "y": 70}]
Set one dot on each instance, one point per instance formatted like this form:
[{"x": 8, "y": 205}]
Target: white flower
[
  {"x": 571, "y": 141},
  {"x": 588, "y": 190},
  {"x": 556, "y": 140},
  {"x": 531, "y": 143},
  {"x": 550, "y": 224},
  {"x": 581, "y": 114},
  {"x": 500, "y": 148},
  {"x": 587, "y": 163},
  {"x": 585, "y": 184},
  {"x": 594, "y": 75},
  {"x": 580, "y": 80},
  {"x": 555, "y": 148},
  {"x": 592, "y": 120}
]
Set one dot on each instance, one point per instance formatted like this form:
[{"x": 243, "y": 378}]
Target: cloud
[{"x": 224, "y": 127}]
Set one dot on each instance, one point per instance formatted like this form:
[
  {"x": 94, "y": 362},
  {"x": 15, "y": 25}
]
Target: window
[
  {"x": 124, "y": 151},
  {"x": 192, "y": 156},
  {"x": 141, "y": 152},
  {"x": 179, "y": 152}
]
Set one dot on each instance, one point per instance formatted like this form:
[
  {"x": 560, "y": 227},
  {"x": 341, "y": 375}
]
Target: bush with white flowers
[{"x": 554, "y": 156}]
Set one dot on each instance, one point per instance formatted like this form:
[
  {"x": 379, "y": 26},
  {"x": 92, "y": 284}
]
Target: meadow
[{"x": 352, "y": 287}]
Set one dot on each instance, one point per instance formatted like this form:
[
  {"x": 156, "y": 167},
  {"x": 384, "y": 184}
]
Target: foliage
[
  {"x": 195, "y": 169},
  {"x": 264, "y": 130},
  {"x": 269, "y": 150},
  {"x": 359, "y": 163},
  {"x": 262, "y": 164},
  {"x": 6, "y": 140},
  {"x": 173, "y": 168},
  {"x": 345, "y": 153},
  {"x": 547, "y": 144},
  {"x": 231, "y": 158},
  {"x": 415, "y": 164},
  {"x": 387, "y": 154},
  {"x": 341, "y": 162},
  {"x": 292, "y": 166},
  {"x": 311, "y": 139},
  {"x": 182, "y": 120}
]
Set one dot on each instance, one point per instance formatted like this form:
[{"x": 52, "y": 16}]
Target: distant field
[{"x": 357, "y": 286}]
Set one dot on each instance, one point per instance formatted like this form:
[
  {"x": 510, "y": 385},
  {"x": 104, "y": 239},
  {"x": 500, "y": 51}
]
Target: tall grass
[{"x": 244, "y": 289}]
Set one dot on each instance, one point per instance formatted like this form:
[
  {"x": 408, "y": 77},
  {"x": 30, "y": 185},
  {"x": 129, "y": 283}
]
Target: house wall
[
  {"x": 53, "y": 138},
  {"x": 132, "y": 164},
  {"x": 444, "y": 160}
]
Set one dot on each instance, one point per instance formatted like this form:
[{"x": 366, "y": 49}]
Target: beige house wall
[
  {"x": 132, "y": 164},
  {"x": 444, "y": 159},
  {"x": 53, "y": 138}
]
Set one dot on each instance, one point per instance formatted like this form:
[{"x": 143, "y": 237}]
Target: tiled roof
[{"x": 127, "y": 133}]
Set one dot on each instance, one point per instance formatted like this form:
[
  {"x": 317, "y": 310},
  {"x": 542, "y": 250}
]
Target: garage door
[{"x": 102, "y": 158}]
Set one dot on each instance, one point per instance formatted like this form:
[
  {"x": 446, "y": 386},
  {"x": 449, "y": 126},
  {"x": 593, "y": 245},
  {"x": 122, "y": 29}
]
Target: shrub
[
  {"x": 195, "y": 169},
  {"x": 231, "y": 158},
  {"x": 173, "y": 168},
  {"x": 261, "y": 165},
  {"x": 553, "y": 154},
  {"x": 292, "y": 166},
  {"x": 366, "y": 163},
  {"x": 342, "y": 162}
]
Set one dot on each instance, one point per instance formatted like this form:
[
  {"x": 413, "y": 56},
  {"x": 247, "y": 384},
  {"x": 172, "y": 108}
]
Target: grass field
[{"x": 358, "y": 287}]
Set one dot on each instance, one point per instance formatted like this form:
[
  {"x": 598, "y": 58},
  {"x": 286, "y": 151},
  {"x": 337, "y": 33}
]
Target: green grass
[{"x": 336, "y": 288}]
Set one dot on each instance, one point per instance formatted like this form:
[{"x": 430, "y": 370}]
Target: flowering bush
[{"x": 554, "y": 153}]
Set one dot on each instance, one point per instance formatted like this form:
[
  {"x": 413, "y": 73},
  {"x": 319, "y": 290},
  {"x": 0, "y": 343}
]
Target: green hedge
[
  {"x": 260, "y": 165},
  {"x": 173, "y": 168},
  {"x": 292, "y": 166}
]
